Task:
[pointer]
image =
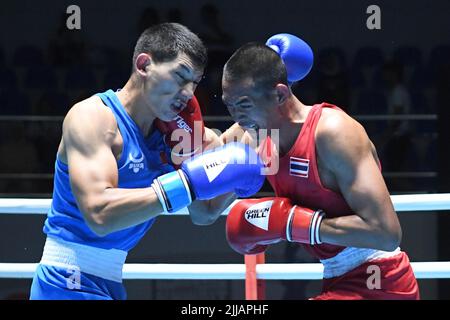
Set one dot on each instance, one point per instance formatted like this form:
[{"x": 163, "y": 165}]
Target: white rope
[
  {"x": 421, "y": 202},
  {"x": 19, "y": 206},
  {"x": 412, "y": 202},
  {"x": 274, "y": 271},
  {"x": 362, "y": 117}
]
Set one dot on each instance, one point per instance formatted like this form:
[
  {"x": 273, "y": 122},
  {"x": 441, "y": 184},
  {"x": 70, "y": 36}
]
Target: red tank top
[{"x": 298, "y": 179}]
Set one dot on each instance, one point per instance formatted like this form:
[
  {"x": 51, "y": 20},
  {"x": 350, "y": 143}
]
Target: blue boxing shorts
[{"x": 70, "y": 271}]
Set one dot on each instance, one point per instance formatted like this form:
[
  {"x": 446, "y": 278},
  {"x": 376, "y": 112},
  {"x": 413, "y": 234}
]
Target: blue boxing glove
[
  {"x": 295, "y": 53},
  {"x": 234, "y": 167}
]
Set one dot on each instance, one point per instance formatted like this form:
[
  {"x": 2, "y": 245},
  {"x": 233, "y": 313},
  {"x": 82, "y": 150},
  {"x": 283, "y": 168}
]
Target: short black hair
[
  {"x": 257, "y": 62},
  {"x": 166, "y": 40}
]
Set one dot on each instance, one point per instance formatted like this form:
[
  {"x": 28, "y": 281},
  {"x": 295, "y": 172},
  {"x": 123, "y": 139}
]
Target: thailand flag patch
[{"x": 299, "y": 167}]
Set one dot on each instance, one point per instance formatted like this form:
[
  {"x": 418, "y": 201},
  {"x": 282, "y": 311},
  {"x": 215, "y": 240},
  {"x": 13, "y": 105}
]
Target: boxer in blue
[{"x": 112, "y": 178}]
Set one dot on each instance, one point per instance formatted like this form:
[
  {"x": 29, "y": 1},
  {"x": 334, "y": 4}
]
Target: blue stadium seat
[
  {"x": 426, "y": 127},
  {"x": 378, "y": 80},
  {"x": 40, "y": 77},
  {"x": 439, "y": 55},
  {"x": 330, "y": 51},
  {"x": 357, "y": 79},
  {"x": 13, "y": 102},
  {"x": 2, "y": 57},
  {"x": 409, "y": 56},
  {"x": 431, "y": 158},
  {"x": 27, "y": 56},
  {"x": 439, "y": 64},
  {"x": 368, "y": 57},
  {"x": 115, "y": 78},
  {"x": 8, "y": 79},
  {"x": 80, "y": 77},
  {"x": 421, "y": 78},
  {"x": 53, "y": 102},
  {"x": 371, "y": 102},
  {"x": 419, "y": 102}
]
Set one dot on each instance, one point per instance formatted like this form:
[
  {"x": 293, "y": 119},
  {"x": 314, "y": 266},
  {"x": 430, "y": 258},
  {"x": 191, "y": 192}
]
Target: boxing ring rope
[
  {"x": 272, "y": 271},
  {"x": 362, "y": 117},
  {"x": 409, "y": 202},
  {"x": 261, "y": 271}
]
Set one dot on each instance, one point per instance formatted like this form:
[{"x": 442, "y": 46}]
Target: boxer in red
[{"x": 331, "y": 197}]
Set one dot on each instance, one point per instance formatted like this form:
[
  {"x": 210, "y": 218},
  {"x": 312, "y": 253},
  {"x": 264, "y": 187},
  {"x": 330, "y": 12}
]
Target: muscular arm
[
  {"x": 346, "y": 152},
  {"x": 206, "y": 212},
  {"x": 88, "y": 133}
]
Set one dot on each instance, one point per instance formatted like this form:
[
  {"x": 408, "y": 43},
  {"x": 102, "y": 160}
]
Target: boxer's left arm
[
  {"x": 205, "y": 212},
  {"x": 344, "y": 148}
]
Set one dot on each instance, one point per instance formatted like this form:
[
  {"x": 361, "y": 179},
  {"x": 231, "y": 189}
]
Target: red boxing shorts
[{"x": 396, "y": 281}]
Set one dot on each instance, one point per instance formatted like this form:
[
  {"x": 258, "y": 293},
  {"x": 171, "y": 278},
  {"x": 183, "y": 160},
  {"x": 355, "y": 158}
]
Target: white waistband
[
  {"x": 350, "y": 258},
  {"x": 103, "y": 263}
]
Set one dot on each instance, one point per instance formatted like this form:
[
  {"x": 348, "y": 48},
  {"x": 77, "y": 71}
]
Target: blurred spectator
[
  {"x": 411, "y": 59},
  {"x": 2, "y": 57},
  {"x": 175, "y": 15},
  {"x": 334, "y": 84},
  {"x": 28, "y": 56},
  {"x": 366, "y": 62},
  {"x": 14, "y": 102},
  {"x": 397, "y": 136},
  {"x": 19, "y": 155},
  {"x": 213, "y": 34},
  {"x": 52, "y": 103},
  {"x": 68, "y": 47},
  {"x": 8, "y": 79},
  {"x": 443, "y": 99},
  {"x": 218, "y": 42},
  {"x": 148, "y": 18}
]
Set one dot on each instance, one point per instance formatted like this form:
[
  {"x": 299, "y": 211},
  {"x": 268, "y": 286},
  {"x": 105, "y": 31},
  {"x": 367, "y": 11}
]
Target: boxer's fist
[
  {"x": 295, "y": 53},
  {"x": 234, "y": 167},
  {"x": 185, "y": 134},
  {"x": 252, "y": 224}
]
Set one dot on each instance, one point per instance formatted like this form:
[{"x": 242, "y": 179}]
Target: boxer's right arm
[
  {"x": 233, "y": 167},
  {"x": 253, "y": 224},
  {"x": 88, "y": 134}
]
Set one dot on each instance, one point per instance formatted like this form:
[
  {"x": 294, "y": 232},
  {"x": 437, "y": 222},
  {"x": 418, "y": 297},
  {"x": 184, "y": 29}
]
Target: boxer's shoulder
[
  {"x": 90, "y": 121},
  {"x": 340, "y": 139},
  {"x": 333, "y": 119},
  {"x": 93, "y": 108},
  {"x": 88, "y": 112},
  {"x": 336, "y": 125}
]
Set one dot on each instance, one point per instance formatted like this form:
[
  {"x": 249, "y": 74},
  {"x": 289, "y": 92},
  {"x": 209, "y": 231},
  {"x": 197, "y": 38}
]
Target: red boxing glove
[
  {"x": 252, "y": 224},
  {"x": 185, "y": 133}
]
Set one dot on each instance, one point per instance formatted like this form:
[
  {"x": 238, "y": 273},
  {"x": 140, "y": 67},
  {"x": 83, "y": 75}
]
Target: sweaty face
[
  {"x": 249, "y": 106},
  {"x": 170, "y": 85}
]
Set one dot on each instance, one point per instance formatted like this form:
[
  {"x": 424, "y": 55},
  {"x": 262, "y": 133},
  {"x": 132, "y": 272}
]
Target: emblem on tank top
[
  {"x": 137, "y": 163},
  {"x": 298, "y": 167}
]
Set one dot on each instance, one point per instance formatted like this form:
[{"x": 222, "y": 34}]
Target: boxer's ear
[
  {"x": 143, "y": 60},
  {"x": 283, "y": 92}
]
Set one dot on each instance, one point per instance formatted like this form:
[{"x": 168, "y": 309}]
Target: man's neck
[
  {"x": 131, "y": 98},
  {"x": 292, "y": 117}
]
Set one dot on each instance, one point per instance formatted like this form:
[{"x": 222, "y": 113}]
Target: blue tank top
[{"x": 141, "y": 161}]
